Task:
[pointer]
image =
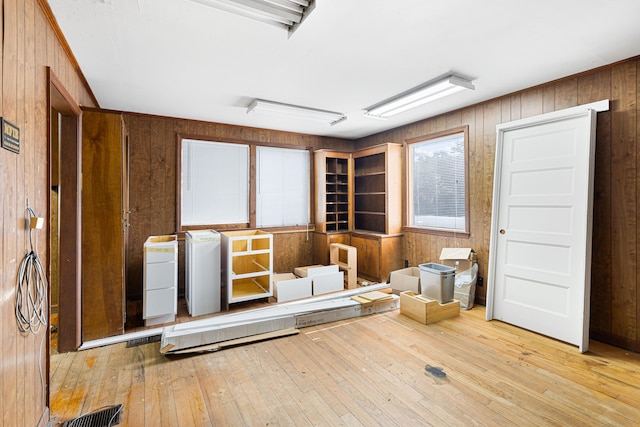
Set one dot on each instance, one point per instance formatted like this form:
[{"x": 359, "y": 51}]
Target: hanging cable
[{"x": 31, "y": 293}]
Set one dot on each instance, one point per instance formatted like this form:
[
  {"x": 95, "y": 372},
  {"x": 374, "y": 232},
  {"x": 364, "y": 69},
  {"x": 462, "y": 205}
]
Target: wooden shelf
[
  {"x": 378, "y": 188},
  {"x": 334, "y": 191}
]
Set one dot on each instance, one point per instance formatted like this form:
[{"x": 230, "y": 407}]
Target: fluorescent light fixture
[
  {"x": 420, "y": 95},
  {"x": 260, "y": 105},
  {"x": 287, "y": 14}
]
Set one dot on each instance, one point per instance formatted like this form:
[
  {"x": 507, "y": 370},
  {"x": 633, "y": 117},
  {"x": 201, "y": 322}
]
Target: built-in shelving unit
[
  {"x": 364, "y": 187},
  {"x": 333, "y": 189},
  {"x": 247, "y": 265},
  {"x": 378, "y": 188}
]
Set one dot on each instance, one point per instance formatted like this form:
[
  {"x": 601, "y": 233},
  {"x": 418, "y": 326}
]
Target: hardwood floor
[{"x": 363, "y": 372}]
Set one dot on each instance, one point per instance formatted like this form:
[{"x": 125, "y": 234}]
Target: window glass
[
  {"x": 437, "y": 183},
  {"x": 215, "y": 183},
  {"x": 282, "y": 196}
]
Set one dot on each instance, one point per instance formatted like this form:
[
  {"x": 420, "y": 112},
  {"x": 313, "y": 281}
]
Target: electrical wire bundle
[{"x": 31, "y": 293}]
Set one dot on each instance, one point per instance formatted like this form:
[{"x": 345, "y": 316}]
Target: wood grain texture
[
  {"x": 103, "y": 238},
  {"x": 25, "y": 55},
  {"x": 368, "y": 371}
]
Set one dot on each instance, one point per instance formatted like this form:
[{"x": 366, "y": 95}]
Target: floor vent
[
  {"x": 144, "y": 340},
  {"x": 104, "y": 417}
]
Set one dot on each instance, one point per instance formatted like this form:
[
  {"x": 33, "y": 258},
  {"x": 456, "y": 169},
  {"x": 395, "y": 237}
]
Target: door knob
[{"x": 502, "y": 231}]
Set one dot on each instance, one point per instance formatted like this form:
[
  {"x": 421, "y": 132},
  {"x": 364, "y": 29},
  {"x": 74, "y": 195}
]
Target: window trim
[
  {"x": 252, "y": 184},
  {"x": 408, "y": 193}
]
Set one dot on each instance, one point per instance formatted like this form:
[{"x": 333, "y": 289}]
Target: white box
[
  {"x": 288, "y": 287},
  {"x": 406, "y": 279},
  {"x": 202, "y": 289},
  {"x": 315, "y": 270},
  {"x": 326, "y": 283}
]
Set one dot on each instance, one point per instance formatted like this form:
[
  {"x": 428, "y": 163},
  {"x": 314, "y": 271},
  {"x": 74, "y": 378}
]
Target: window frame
[
  {"x": 409, "y": 226},
  {"x": 252, "y": 184}
]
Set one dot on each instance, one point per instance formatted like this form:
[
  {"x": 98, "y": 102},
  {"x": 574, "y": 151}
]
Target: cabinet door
[{"x": 368, "y": 257}]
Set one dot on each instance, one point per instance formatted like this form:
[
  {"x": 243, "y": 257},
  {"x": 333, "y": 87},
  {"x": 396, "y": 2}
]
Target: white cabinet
[
  {"x": 202, "y": 272},
  {"x": 160, "y": 299},
  {"x": 247, "y": 265}
]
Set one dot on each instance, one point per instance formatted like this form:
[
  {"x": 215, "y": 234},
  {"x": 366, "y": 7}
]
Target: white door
[{"x": 540, "y": 251}]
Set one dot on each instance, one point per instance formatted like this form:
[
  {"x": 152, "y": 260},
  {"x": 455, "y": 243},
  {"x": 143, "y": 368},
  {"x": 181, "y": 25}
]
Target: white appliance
[{"x": 202, "y": 271}]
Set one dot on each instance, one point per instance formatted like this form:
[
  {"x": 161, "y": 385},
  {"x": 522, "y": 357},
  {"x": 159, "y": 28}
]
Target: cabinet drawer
[
  {"x": 155, "y": 255},
  {"x": 159, "y": 302},
  {"x": 160, "y": 275}
]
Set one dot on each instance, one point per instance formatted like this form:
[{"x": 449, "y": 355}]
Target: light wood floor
[{"x": 364, "y": 372}]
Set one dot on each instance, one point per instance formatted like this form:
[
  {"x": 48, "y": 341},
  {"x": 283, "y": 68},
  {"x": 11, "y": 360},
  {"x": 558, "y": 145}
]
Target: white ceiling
[{"x": 181, "y": 59}]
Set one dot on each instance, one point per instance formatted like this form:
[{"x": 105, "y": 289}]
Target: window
[
  {"x": 437, "y": 182},
  {"x": 214, "y": 184},
  {"x": 282, "y": 196},
  {"x": 225, "y": 185}
]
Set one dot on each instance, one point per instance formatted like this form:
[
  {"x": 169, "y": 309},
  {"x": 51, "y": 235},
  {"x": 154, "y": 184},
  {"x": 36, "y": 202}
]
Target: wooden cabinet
[
  {"x": 333, "y": 189},
  {"x": 247, "y": 265},
  {"x": 105, "y": 221},
  {"x": 378, "y": 254},
  {"x": 370, "y": 181},
  {"x": 378, "y": 189}
]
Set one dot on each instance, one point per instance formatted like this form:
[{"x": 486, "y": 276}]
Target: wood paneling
[
  {"x": 615, "y": 277},
  {"x": 29, "y": 45},
  {"x": 104, "y": 218}
]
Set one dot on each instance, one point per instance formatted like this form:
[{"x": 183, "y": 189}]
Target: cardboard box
[
  {"x": 315, "y": 270},
  {"x": 426, "y": 310},
  {"x": 287, "y": 287},
  {"x": 406, "y": 279},
  {"x": 325, "y": 283},
  {"x": 461, "y": 258},
  {"x": 465, "y": 260}
]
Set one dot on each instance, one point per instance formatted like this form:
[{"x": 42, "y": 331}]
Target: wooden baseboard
[{"x": 608, "y": 338}]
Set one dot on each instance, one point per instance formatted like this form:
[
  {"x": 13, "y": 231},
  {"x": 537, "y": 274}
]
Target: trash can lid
[{"x": 433, "y": 267}]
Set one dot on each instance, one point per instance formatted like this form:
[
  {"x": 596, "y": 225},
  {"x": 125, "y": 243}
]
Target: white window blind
[
  {"x": 214, "y": 183},
  {"x": 283, "y": 182},
  {"x": 438, "y": 193}
]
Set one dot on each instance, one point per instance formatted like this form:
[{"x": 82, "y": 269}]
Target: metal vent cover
[{"x": 103, "y": 417}]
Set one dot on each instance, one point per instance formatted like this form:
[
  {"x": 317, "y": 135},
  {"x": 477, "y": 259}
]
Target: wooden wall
[
  {"x": 29, "y": 45},
  {"x": 615, "y": 291},
  {"x": 152, "y": 189}
]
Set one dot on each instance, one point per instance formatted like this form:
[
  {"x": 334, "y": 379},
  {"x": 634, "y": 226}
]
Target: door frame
[
  {"x": 567, "y": 113},
  {"x": 59, "y": 99}
]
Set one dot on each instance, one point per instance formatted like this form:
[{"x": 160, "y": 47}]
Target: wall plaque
[{"x": 10, "y": 136}]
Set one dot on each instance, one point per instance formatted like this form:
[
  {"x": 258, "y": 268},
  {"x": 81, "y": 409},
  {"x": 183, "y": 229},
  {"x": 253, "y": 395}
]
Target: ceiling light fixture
[
  {"x": 420, "y": 95},
  {"x": 260, "y": 105},
  {"x": 287, "y": 14}
]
